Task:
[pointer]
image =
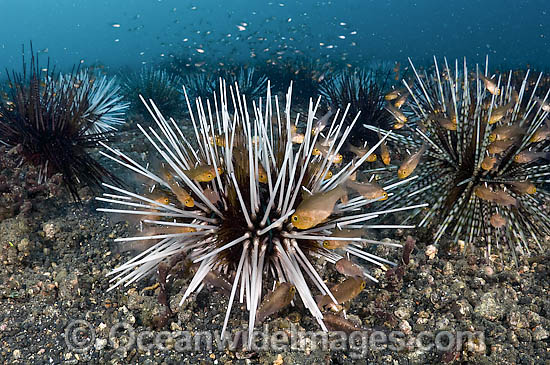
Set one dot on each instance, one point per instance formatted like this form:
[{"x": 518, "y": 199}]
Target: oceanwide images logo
[{"x": 81, "y": 337}]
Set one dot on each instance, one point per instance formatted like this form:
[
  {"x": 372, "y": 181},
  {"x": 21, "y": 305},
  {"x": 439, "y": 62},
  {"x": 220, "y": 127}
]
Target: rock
[
  {"x": 540, "y": 333},
  {"x": 461, "y": 309},
  {"x": 517, "y": 320},
  {"x": 489, "y": 308}
]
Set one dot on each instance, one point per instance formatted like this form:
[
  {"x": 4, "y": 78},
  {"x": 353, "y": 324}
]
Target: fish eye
[
  {"x": 210, "y": 176},
  {"x": 363, "y": 284},
  {"x": 295, "y": 218},
  {"x": 220, "y": 170}
]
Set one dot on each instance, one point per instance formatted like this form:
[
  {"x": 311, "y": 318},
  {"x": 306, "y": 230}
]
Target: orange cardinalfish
[
  {"x": 348, "y": 268},
  {"x": 181, "y": 194},
  {"x": 322, "y": 123},
  {"x": 488, "y": 163},
  {"x": 490, "y": 85},
  {"x": 276, "y": 300},
  {"x": 344, "y": 292},
  {"x": 316, "y": 208},
  {"x": 409, "y": 165},
  {"x": 497, "y": 147},
  {"x": 524, "y": 187},
  {"x": 367, "y": 190},
  {"x": 400, "y": 118},
  {"x": 529, "y": 156},
  {"x": 499, "y": 112},
  {"x": 204, "y": 173},
  {"x": 384, "y": 151},
  {"x": 342, "y": 233},
  {"x": 540, "y": 135},
  {"x": 506, "y": 132},
  {"x": 362, "y": 151},
  {"x": 319, "y": 149}
]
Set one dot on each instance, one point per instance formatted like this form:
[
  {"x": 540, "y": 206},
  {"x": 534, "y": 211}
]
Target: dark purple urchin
[
  {"x": 363, "y": 90},
  {"x": 486, "y": 166},
  {"x": 51, "y": 125}
]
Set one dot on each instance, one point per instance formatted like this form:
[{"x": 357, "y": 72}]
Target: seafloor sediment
[{"x": 55, "y": 257}]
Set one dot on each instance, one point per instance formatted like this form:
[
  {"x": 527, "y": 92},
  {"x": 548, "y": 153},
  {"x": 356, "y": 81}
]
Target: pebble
[
  {"x": 431, "y": 251},
  {"x": 540, "y": 333},
  {"x": 489, "y": 308}
]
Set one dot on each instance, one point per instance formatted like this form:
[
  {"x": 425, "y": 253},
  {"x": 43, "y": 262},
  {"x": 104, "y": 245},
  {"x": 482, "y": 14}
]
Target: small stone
[
  {"x": 448, "y": 269},
  {"x": 489, "y": 308},
  {"x": 539, "y": 333},
  {"x": 431, "y": 251},
  {"x": 100, "y": 343},
  {"x": 23, "y": 245},
  {"x": 405, "y": 327},
  {"x": 16, "y": 354},
  {"x": 279, "y": 360},
  {"x": 517, "y": 320},
  {"x": 461, "y": 309},
  {"x": 403, "y": 312}
]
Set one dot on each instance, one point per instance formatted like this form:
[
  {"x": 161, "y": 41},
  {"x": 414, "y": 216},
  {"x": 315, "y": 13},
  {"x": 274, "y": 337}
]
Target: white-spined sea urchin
[{"x": 253, "y": 182}]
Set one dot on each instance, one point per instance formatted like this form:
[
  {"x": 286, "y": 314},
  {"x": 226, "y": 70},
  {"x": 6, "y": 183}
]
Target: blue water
[{"x": 512, "y": 33}]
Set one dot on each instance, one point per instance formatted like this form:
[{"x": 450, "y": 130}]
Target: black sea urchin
[
  {"x": 484, "y": 172},
  {"x": 364, "y": 91},
  {"x": 247, "y": 185},
  {"x": 153, "y": 84},
  {"x": 49, "y": 118}
]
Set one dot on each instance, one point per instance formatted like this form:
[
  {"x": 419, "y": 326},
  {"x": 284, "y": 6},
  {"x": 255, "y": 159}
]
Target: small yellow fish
[
  {"x": 342, "y": 233},
  {"x": 498, "y": 147},
  {"x": 488, "y": 163},
  {"x": 319, "y": 149},
  {"x": 384, "y": 152},
  {"x": 344, "y": 292},
  {"x": 276, "y": 300},
  {"x": 218, "y": 140},
  {"x": 497, "y": 220},
  {"x": 445, "y": 123},
  {"x": 322, "y": 123},
  {"x": 394, "y": 94},
  {"x": 503, "y": 198},
  {"x": 348, "y": 268},
  {"x": 183, "y": 196},
  {"x": 506, "y": 132},
  {"x": 367, "y": 190},
  {"x": 484, "y": 193},
  {"x": 540, "y": 135},
  {"x": 401, "y": 100},
  {"x": 529, "y": 156},
  {"x": 262, "y": 174},
  {"x": 296, "y": 137},
  {"x": 490, "y": 85},
  {"x": 409, "y": 165},
  {"x": 397, "y": 114},
  {"x": 316, "y": 208},
  {"x": 360, "y": 152},
  {"x": 204, "y": 173},
  {"x": 498, "y": 113},
  {"x": 524, "y": 187}
]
